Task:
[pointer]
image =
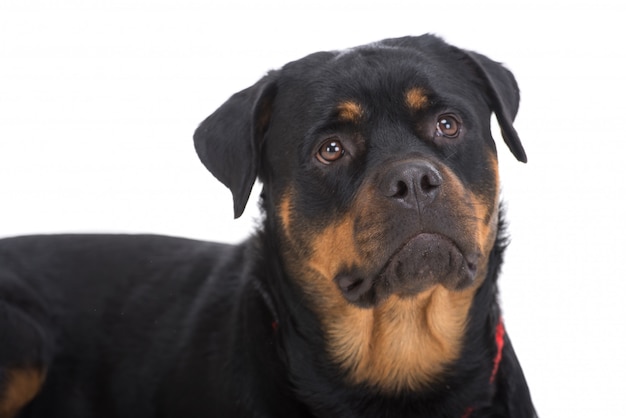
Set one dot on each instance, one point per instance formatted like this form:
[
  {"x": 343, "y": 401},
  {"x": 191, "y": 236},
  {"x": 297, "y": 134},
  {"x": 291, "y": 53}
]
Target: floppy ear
[
  {"x": 228, "y": 142},
  {"x": 504, "y": 99}
]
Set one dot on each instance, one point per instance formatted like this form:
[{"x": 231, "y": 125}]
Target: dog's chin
[{"x": 422, "y": 262}]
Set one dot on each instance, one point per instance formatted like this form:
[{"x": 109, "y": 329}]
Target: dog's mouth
[{"x": 423, "y": 261}]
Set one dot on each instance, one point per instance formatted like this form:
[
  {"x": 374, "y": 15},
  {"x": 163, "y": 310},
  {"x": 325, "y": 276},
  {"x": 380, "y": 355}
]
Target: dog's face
[
  {"x": 381, "y": 191},
  {"x": 378, "y": 164},
  {"x": 377, "y": 183}
]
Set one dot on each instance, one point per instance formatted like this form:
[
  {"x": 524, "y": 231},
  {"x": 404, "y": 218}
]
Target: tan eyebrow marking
[
  {"x": 349, "y": 111},
  {"x": 416, "y": 98}
]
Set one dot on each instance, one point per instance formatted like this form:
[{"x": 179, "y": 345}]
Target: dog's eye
[
  {"x": 448, "y": 126},
  {"x": 330, "y": 151}
]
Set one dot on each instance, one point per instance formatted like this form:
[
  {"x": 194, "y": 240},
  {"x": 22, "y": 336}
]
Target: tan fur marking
[
  {"x": 350, "y": 111},
  {"x": 334, "y": 248},
  {"x": 416, "y": 98},
  {"x": 404, "y": 343},
  {"x": 481, "y": 212},
  {"x": 486, "y": 224},
  {"x": 486, "y": 211},
  {"x": 285, "y": 214},
  {"x": 20, "y": 388}
]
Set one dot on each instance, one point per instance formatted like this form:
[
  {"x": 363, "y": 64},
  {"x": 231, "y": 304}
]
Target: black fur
[{"x": 152, "y": 326}]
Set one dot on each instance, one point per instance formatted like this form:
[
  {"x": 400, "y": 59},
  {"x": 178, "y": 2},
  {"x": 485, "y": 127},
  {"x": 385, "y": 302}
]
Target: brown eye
[
  {"x": 330, "y": 151},
  {"x": 448, "y": 126}
]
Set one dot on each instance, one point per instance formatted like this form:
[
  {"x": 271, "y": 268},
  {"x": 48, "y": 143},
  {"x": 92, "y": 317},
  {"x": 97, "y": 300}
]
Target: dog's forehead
[
  {"x": 355, "y": 70},
  {"x": 376, "y": 76}
]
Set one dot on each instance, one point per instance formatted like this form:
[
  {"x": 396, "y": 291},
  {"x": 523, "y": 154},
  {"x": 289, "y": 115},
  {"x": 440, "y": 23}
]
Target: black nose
[{"x": 411, "y": 183}]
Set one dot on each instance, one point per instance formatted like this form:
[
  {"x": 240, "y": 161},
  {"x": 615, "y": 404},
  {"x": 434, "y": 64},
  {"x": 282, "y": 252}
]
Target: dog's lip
[{"x": 470, "y": 259}]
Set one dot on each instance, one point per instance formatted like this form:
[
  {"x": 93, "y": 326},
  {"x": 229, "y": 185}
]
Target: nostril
[
  {"x": 402, "y": 190},
  {"x": 429, "y": 183}
]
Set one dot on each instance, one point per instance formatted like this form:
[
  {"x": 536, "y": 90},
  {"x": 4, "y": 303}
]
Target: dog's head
[
  {"x": 377, "y": 163},
  {"x": 381, "y": 189}
]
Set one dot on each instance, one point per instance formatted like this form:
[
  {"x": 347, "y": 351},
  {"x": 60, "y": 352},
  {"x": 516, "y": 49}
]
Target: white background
[{"x": 99, "y": 100}]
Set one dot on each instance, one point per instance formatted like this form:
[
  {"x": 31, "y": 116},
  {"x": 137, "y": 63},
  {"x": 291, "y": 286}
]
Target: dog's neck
[{"x": 403, "y": 344}]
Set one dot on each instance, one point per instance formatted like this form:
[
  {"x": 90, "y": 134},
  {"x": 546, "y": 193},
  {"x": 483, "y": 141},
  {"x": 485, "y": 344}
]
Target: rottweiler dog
[{"x": 369, "y": 289}]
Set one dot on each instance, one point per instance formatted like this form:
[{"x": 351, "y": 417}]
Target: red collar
[
  {"x": 496, "y": 360},
  {"x": 500, "y": 345}
]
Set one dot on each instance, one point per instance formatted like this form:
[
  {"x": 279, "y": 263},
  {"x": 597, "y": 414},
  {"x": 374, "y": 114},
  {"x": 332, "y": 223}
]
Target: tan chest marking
[{"x": 403, "y": 343}]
